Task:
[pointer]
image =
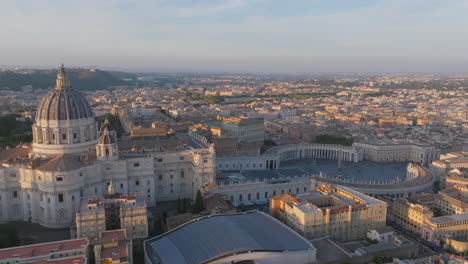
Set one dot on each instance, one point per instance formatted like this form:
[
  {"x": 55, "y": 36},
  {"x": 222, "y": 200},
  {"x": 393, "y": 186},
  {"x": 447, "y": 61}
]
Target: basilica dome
[
  {"x": 65, "y": 122},
  {"x": 63, "y": 102}
]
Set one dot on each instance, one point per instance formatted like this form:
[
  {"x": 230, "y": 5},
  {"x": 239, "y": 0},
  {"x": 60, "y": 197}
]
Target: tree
[
  {"x": 382, "y": 259},
  {"x": 437, "y": 212},
  {"x": 331, "y": 139},
  {"x": 198, "y": 206},
  {"x": 9, "y": 236}
]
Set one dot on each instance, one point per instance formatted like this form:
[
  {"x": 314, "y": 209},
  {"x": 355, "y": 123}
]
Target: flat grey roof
[
  {"x": 449, "y": 218},
  {"x": 207, "y": 238}
]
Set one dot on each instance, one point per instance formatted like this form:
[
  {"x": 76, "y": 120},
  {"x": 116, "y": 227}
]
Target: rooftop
[
  {"x": 211, "y": 237},
  {"x": 43, "y": 249},
  {"x": 449, "y": 218}
]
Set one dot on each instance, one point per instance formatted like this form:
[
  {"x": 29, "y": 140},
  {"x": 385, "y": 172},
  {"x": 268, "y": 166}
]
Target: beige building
[
  {"x": 437, "y": 229},
  {"x": 330, "y": 210},
  {"x": 423, "y": 155},
  {"x": 242, "y": 128},
  {"x": 455, "y": 180},
  {"x": 115, "y": 211},
  {"x": 453, "y": 200},
  {"x": 409, "y": 215},
  {"x": 57, "y": 252},
  {"x": 113, "y": 247}
]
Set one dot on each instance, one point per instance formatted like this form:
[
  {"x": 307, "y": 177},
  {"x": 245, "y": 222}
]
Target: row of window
[{"x": 249, "y": 196}]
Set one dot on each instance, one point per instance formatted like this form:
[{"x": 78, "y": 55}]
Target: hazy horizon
[{"x": 240, "y": 36}]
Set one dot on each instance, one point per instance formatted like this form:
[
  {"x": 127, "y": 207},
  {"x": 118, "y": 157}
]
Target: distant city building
[
  {"x": 244, "y": 129},
  {"x": 330, "y": 210},
  {"x": 58, "y": 252},
  {"x": 248, "y": 237}
]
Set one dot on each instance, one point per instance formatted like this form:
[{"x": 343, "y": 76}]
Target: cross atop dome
[{"x": 62, "y": 81}]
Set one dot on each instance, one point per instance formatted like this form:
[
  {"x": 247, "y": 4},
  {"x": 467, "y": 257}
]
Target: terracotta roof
[
  {"x": 64, "y": 162},
  {"x": 42, "y": 249},
  {"x": 71, "y": 260},
  {"x": 20, "y": 152}
]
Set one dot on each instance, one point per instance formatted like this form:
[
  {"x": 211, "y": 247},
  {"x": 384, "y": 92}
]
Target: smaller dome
[
  {"x": 106, "y": 125},
  {"x": 105, "y": 138}
]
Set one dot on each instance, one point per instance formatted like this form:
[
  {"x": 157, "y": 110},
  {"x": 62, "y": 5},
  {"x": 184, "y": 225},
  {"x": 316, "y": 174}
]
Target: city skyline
[{"x": 238, "y": 36}]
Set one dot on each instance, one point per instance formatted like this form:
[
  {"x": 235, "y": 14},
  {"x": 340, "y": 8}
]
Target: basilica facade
[{"x": 71, "y": 159}]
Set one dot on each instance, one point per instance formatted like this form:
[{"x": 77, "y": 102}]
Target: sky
[{"x": 287, "y": 36}]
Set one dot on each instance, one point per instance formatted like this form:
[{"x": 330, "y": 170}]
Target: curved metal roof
[{"x": 208, "y": 238}]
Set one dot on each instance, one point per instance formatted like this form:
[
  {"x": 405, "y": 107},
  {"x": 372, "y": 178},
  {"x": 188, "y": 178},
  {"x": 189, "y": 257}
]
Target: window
[
  {"x": 240, "y": 197},
  {"x": 137, "y": 182},
  {"x": 171, "y": 176},
  {"x": 60, "y": 197},
  {"x": 64, "y": 136},
  {"x": 181, "y": 158},
  {"x": 148, "y": 190},
  {"x": 74, "y": 135},
  {"x": 121, "y": 186},
  {"x": 305, "y": 189},
  {"x": 136, "y": 164},
  {"x": 248, "y": 197},
  {"x": 160, "y": 177},
  {"x": 160, "y": 160},
  {"x": 258, "y": 196},
  {"x": 13, "y": 174},
  {"x": 182, "y": 174},
  {"x": 73, "y": 197},
  {"x": 205, "y": 160},
  {"x": 15, "y": 194},
  {"x": 59, "y": 178},
  {"x": 266, "y": 194}
]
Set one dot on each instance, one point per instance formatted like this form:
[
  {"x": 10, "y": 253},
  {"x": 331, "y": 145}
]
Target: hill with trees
[{"x": 82, "y": 79}]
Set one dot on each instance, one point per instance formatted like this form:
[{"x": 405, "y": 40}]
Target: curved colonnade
[
  {"x": 421, "y": 180},
  {"x": 325, "y": 151}
]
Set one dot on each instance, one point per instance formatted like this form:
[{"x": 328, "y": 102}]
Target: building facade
[
  {"x": 437, "y": 229},
  {"x": 115, "y": 211},
  {"x": 423, "y": 155},
  {"x": 70, "y": 159},
  {"x": 410, "y": 216},
  {"x": 57, "y": 252},
  {"x": 330, "y": 210}
]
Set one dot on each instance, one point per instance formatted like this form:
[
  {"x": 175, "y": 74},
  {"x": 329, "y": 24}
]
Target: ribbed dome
[{"x": 63, "y": 102}]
